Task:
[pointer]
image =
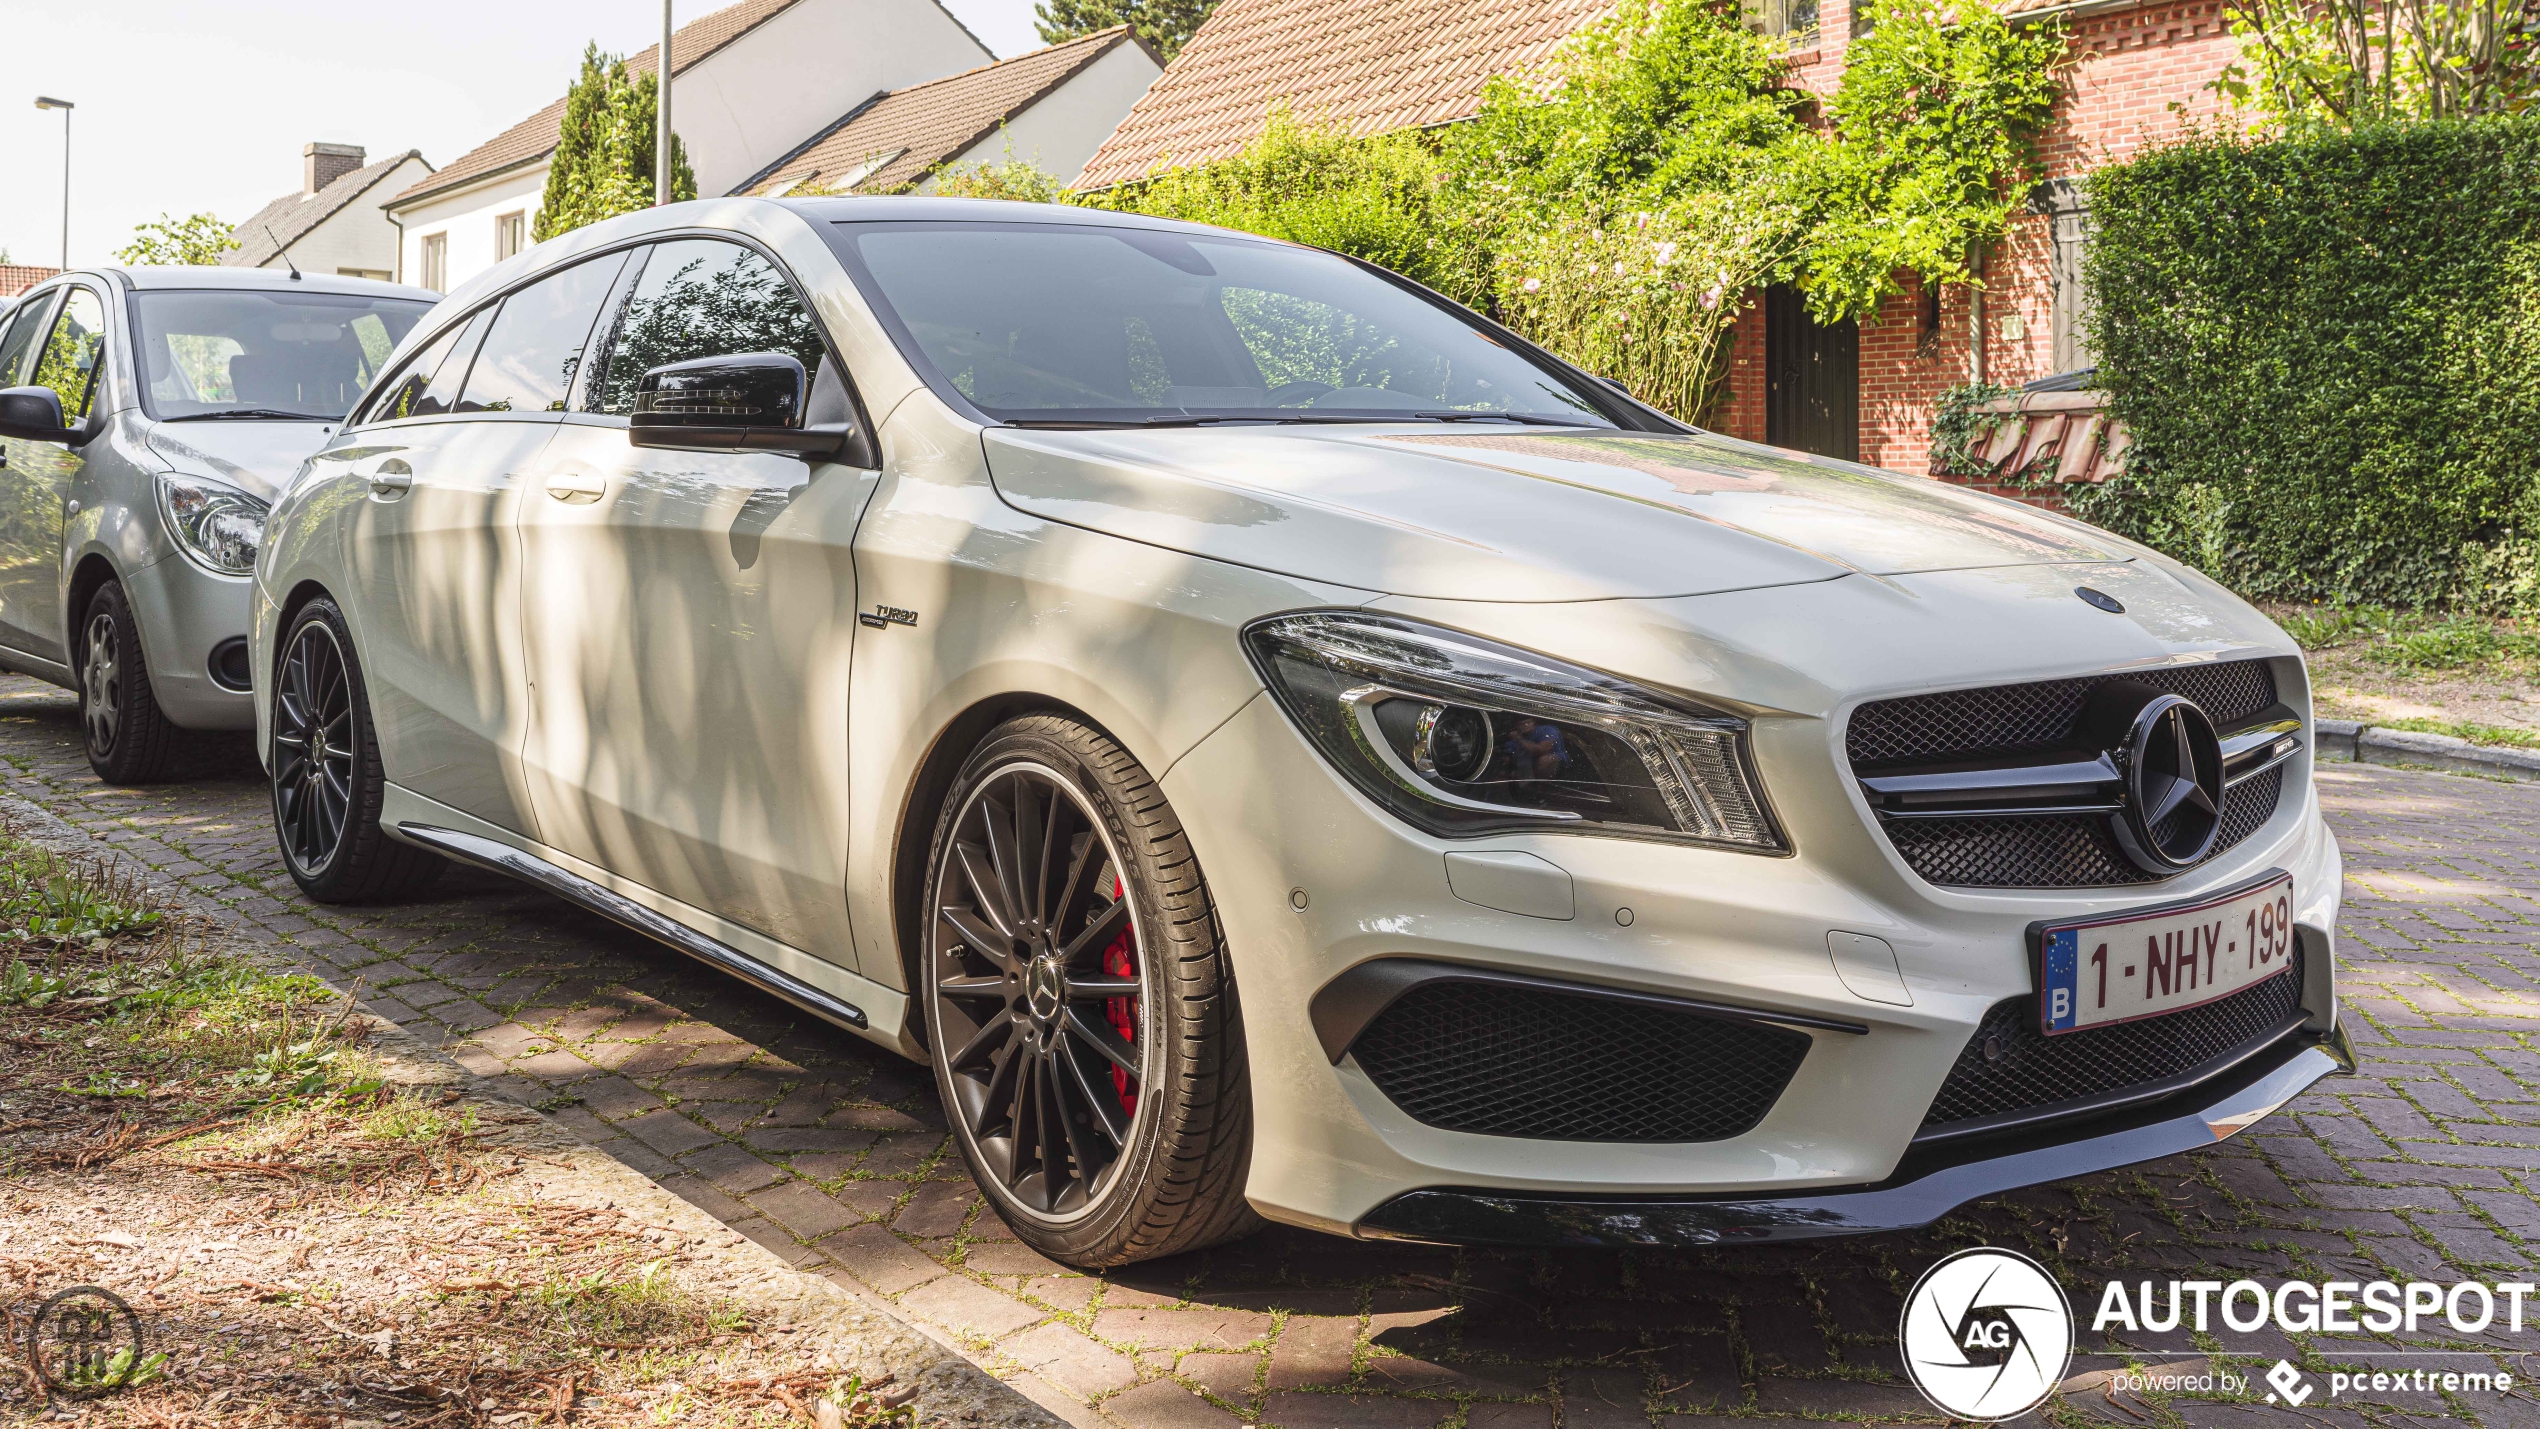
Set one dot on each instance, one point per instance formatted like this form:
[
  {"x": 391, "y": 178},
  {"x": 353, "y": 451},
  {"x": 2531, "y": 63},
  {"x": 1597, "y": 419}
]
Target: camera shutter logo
[
  {"x": 1986, "y": 1335},
  {"x": 84, "y": 1342}
]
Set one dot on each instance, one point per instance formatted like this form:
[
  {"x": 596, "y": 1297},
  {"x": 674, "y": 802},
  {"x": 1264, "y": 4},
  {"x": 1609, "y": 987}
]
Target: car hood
[
  {"x": 1519, "y": 515},
  {"x": 257, "y": 457}
]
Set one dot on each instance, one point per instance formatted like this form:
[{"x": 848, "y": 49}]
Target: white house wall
[
  {"x": 754, "y": 100},
  {"x": 358, "y": 236},
  {"x": 1059, "y": 133},
  {"x": 467, "y": 216}
]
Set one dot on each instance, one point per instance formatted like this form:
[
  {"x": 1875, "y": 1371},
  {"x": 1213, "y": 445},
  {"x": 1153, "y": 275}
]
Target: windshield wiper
[
  {"x": 258, "y": 414},
  {"x": 1528, "y": 418}
]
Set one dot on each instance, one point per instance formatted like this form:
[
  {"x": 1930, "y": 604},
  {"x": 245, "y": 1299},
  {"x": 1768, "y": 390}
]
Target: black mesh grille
[
  {"x": 1516, "y": 1061},
  {"x": 2066, "y": 852},
  {"x": 2070, "y": 851},
  {"x": 2009, "y": 1065},
  {"x": 2003, "y": 719}
]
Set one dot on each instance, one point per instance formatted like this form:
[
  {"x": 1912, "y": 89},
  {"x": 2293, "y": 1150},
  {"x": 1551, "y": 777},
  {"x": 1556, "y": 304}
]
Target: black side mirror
[
  {"x": 34, "y": 414},
  {"x": 753, "y": 401}
]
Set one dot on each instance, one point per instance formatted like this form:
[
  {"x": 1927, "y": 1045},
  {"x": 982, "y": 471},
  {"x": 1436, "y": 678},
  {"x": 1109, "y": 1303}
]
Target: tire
[
  {"x": 129, "y": 739},
  {"x": 326, "y": 804},
  {"x": 1097, "y": 1149}
]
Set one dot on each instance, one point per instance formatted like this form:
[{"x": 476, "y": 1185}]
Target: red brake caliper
[{"x": 1120, "y": 960}]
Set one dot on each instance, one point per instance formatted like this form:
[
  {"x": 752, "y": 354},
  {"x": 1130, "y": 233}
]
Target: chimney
[{"x": 323, "y": 164}]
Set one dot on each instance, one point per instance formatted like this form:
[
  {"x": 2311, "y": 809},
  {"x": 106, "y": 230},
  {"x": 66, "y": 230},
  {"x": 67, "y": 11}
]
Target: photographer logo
[{"x": 1986, "y": 1335}]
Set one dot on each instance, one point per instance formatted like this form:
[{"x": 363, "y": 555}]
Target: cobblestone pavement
[{"x": 833, "y": 1154}]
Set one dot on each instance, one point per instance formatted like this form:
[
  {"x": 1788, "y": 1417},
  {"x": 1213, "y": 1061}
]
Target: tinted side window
[
  {"x": 26, "y": 329},
  {"x": 699, "y": 297},
  {"x": 529, "y": 358},
  {"x": 442, "y": 395},
  {"x": 412, "y": 392},
  {"x": 74, "y": 355}
]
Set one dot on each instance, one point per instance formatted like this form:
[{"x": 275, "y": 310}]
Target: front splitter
[{"x": 1928, "y": 1186}]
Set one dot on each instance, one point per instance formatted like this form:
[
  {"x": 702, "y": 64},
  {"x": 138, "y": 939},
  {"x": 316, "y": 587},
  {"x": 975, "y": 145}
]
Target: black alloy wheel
[
  {"x": 128, "y": 738},
  {"x": 328, "y": 784},
  {"x": 313, "y": 748},
  {"x": 1081, "y": 1018},
  {"x": 1039, "y": 989}
]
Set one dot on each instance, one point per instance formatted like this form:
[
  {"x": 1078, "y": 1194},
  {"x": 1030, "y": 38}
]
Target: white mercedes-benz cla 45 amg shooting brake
[{"x": 1282, "y": 745}]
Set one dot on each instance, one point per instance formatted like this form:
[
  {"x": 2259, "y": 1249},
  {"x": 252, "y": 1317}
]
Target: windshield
[
  {"x": 1056, "y": 323},
  {"x": 208, "y": 353}
]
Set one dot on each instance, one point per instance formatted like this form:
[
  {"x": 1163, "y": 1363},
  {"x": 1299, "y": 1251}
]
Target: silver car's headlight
[
  {"x": 1462, "y": 735},
  {"x": 219, "y": 526}
]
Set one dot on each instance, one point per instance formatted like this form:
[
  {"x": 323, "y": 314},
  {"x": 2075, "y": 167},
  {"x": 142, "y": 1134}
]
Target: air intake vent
[
  {"x": 1549, "y": 1066},
  {"x": 2010, "y": 1066}
]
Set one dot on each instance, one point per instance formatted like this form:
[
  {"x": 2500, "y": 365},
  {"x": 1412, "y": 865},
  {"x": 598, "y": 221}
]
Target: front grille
[
  {"x": 2005, "y": 719},
  {"x": 2044, "y": 851},
  {"x": 1551, "y": 1066},
  {"x": 2009, "y": 1065}
]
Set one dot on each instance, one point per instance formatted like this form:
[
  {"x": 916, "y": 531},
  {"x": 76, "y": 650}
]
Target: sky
[{"x": 186, "y": 106}]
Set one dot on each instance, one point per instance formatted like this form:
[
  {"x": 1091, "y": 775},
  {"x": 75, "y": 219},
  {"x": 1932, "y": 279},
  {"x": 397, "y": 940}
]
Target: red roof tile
[
  {"x": 16, "y": 278},
  {"x": 1366, "y": 66}
]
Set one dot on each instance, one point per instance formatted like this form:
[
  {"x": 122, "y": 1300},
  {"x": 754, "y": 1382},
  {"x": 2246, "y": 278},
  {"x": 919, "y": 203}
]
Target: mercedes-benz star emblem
[
  {"x": 2174, "y": 786},
  {"x": 1986, "y": 1335}
]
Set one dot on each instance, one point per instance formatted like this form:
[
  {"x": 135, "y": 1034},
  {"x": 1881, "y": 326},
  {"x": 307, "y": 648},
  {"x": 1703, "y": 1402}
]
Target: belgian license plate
[{"x": 2162, "y": 960}]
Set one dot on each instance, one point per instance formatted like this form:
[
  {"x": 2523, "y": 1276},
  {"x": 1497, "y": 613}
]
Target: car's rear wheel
[
  {"x": 327, "y": 781},
  {"x": 129, "y": 739},
  {"x": 1079, "y": 1005}
]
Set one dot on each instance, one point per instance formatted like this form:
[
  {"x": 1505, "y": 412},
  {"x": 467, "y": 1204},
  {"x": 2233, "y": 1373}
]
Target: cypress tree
[{"x": 603, "y": 164}]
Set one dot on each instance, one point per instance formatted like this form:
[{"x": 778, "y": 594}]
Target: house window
[
  {"x": 2068, "y": 213},
  {"x": 510, "y": 232},
  {"x": 381, "y": 274},
  {"x": 1793, "y": 20},
  {"x": 436, "y": 262}
]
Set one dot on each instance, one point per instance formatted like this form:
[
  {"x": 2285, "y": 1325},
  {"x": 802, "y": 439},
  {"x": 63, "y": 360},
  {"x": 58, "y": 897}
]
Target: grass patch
[
  {"x": 2470, "y": 730},
  {"x": 2413, "y": 641}
]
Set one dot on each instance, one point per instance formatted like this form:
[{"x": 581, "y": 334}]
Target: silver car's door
[
  {"x": 21, "y": 460},
  {"x": 434, "y": 556},
  {"x": 687, "y": 624},
  {"x": 71, "y": 361}
]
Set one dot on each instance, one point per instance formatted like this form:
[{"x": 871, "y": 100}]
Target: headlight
[
  {"x": 1462, "y": 735},
  {"x": 219, "y": 526}
]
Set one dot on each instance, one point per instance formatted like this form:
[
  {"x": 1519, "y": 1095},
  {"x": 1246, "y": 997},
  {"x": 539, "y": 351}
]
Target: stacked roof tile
[{"x": 1363, "y": 67}]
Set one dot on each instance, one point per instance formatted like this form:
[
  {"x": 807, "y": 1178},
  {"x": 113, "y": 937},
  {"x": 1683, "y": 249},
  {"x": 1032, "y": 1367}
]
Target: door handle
[
  {"x": 577, "y": 487},
  {"x": 391, "y": 478}
]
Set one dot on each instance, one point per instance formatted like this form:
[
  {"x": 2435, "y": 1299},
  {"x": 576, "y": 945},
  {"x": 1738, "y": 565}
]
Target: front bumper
[
  {"x": 187, "y": 616},
  {"x": 1927, "y": 1186}
]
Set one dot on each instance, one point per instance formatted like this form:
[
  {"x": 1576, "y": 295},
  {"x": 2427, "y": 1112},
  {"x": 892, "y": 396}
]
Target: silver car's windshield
[
  {"x": 216, "y": 353},
  {"x": 1053, "y": 323}
]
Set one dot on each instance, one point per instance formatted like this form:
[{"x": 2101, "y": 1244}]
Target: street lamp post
[
  {"x": 661, "y": 120},
  {"x": 64, "y": 105}
]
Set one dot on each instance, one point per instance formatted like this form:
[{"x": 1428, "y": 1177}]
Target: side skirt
[{"x": 617, "y": 908}]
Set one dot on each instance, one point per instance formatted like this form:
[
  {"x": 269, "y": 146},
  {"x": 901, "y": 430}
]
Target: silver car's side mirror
[
  {"x": 34, "y": 414},
  {"x": 752, "y": 401}
]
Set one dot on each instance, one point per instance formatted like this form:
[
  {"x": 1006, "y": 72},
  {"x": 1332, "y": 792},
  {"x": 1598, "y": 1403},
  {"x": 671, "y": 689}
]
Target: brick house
[{"x": 1864, "y": 391}]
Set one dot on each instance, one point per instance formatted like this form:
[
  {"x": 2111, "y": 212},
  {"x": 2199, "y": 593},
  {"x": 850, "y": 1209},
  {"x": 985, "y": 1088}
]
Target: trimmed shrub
[{"x": 2326, "y": 352}]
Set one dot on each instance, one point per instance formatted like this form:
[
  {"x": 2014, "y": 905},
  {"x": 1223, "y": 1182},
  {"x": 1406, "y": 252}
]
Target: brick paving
[{"x": 833, "y": 1155}]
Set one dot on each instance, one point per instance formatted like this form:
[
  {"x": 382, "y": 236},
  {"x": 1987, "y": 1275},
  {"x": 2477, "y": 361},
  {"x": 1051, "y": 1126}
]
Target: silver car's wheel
[
  {"x": 100, "y": 676},
  {"x": 1079, "y": 1004},
  {"x": 128, "y": 739}
]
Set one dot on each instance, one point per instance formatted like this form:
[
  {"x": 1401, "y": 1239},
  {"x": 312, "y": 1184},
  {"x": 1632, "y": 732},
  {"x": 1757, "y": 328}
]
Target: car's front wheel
[
  {"x": 327, "y": 781},
  {"x": 1079, "y": 1006},
  {"x": 129, "y": 738}
]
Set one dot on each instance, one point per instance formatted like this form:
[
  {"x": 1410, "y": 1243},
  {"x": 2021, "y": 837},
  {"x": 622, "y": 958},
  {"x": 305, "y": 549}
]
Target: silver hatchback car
[{"x": 147, "y": 418}]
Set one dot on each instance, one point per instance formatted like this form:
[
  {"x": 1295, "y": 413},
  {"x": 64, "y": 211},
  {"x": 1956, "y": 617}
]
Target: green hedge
[{"x": 2327, "y": 354}]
